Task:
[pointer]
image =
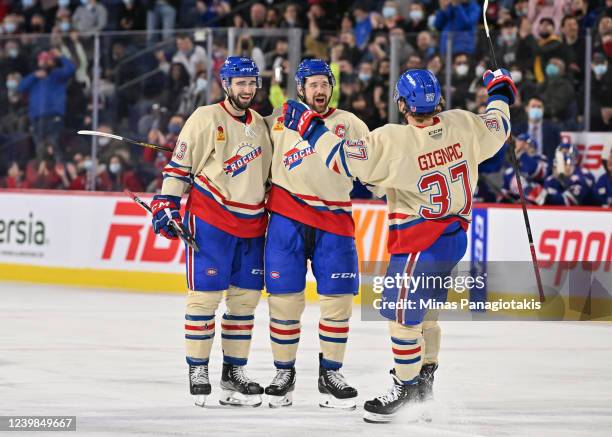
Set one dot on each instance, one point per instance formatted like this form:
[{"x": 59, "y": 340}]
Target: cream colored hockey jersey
[
  {"x": 226, "y": 164},
  {"x": 303, "y": 189},
  {"x": 429, "y": 173}
]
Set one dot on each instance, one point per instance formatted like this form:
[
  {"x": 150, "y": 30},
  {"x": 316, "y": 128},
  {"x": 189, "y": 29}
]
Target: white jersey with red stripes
[
  {"x": 226, "y": 164},
  {"x": 303, "y": 189},
  {"x": 429, "y": 173}
]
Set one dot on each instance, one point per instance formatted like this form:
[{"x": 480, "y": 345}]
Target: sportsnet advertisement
[
  {"x": 106, "y": 240},
  {"x": 593, "y": 149}
]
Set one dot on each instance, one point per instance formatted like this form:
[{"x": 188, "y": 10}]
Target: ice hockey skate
[
  {"x": 335, "y": 391},
  {"x": 238, "y": 389},
  {"x": 383, "y": 408},
  {"x": 199, "y": 385},
  {"x": 426, "y": 380},
  {"x": 280, "y": 390}
]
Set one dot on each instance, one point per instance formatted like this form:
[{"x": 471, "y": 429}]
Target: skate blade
[
  {"x": 377, "y": 418},
  {"x": 236, "y": 399},
  {"x": 280, "y": 401},
  {"x": 200, "y": 400},
  {"x": 328, "y": 401}
]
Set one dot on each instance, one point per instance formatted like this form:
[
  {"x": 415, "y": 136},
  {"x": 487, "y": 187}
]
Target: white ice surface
[{"x": 115, "y": 360}]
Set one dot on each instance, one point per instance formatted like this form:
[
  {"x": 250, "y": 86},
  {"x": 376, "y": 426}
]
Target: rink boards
[{"x": 106, "y": 240}]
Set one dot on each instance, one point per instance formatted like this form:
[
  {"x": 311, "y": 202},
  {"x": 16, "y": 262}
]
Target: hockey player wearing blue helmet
[
  {"x": 429, "y": 169},
  {"x": 222, "y": 160}
]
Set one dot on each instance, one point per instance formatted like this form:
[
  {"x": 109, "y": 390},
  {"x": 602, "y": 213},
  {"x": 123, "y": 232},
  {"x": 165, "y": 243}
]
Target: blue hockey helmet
[
  {"x": 313, "y": 67},
  {"x": 420, "y": 90},
  {"x": 528, "y": 139},
  {"x": 238, "y": 66}
]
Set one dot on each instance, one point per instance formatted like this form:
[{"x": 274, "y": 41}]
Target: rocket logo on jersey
[
  {"x": 220, "y": 134},
  {"x": 238, "y": 163},
  {"x": 295, "y": 156}
]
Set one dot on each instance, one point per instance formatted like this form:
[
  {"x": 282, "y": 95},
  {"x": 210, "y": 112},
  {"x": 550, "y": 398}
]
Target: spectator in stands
[
  {"x": 460, "y": 17},
  {"x": 89, "y": 18},
  {"x": 46, "y": 172},
  {"x": 168, "y": 139},
  {"x": 603, "y": 37},
  {"x": 558, "y": 95},
  {"x": 601, "y": 94},
  {"x": 177, "y": 83},
  {"x": 573, "y": 46},
  {"x": 15, "y": 60},
  {"x": 351, "y": 52},
  {"x": 417, "y": 21},
  {"x": 363, "y": 25},
  {"x": 552, "y": 10},
  {"x": 391, "y": 15},
  {"x": 161, "y": 12},
  {"x": 131, "y": 15},
  {"x": 381, "y": 88},
  {"x": 119, "y": 176},
  {"x": 15, "y": 177},
  {"x": 425, "y": 45},
  {"x": 580, "y": 10},
  {"x": 568, "y": 184},
  {"x": 603, "y": 186},
  {"x": 46, "y": 90},
  {"x": 460, "y": 81},
  {"x": 11, "y": 24},
  {"x": 193, "y": 57},
  {"x": 247, "y": 47},
  {"x": 291, "y": 18},
  {"x": 545, "y": 134},
  {"x": 108, "y": 147},
  {"x": 13, "y": 114},
  {"x": 435, "y": 66},
  {"x": 548, "y": 45},
  {"x": 194, "y": 95},
  {"x": 257, "y": 15},
  {"x": 508, "y": 43}
]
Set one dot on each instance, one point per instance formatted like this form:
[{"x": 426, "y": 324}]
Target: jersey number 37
[{"x": 437, "y": 185}]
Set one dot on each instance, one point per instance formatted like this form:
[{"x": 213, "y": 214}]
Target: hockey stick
[
  {"x": 180, "y": 230},
  {"x": 127, "y": 140},
  {"x": 517, "y": 172}
]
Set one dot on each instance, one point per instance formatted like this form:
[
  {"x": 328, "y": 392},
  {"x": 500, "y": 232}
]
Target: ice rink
[{"x": 115, "y": 360}]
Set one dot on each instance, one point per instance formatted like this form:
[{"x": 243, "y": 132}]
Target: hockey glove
[
  {"x": 500, "y": 86},
  {"x": 164, "y": 209},
  {"x": 308, "y": 123}
]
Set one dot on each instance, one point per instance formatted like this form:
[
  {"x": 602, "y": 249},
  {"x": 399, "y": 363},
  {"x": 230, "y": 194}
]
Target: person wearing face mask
[
  {"x": 508, "y": 44},
  {"x": 195, "y": 95},
  {"x": 461, "y": 79},
  {"x": 601, "y": 94},
  {"x": 547, "y": 46},
  {"x": 391, "y": 16},
  {"x": 460, "y": 17},
  {"x": 119, "y": 176},
  {"x": 13, "y": 107},
  {"x": 559, "y": 95},
  {"x": 546, "y": 135},
  {"x": 14, "y": 60},
  {"x": 552, "y": 10},
  {"x": 190, "y": 55},
  {"x": 417, "y": 20},
  {"x": 14, "y": 177},
  {"x": 90, "y": 17}
]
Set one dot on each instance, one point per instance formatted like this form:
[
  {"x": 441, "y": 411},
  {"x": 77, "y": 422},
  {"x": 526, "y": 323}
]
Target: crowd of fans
[{"x": 151, "y": 80}]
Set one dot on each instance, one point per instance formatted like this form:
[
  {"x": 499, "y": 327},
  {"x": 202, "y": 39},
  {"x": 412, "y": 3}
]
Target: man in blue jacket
[
  {"x": 46, "y": 90},
  {"x": 461, "y": 18}
]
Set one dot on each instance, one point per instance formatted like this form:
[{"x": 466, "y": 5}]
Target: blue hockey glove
[
  {"x": 308, "y": 123},
  {"x": 500, "y": 86},
  {"x": 164, "y": 209}
]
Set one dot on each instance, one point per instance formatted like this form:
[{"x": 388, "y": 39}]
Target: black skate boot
[
  {"x": 335, "y": 391},
  {"x": 426, "y": 380},
  {"x": 199, "y": 385},
  {"x": 238, "y": 389},
  {"x": 382, "y": 408},
  {"x": 281, "y": 388}
]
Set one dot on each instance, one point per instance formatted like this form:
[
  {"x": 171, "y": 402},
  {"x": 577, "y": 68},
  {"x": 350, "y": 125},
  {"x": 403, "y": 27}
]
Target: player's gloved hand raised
[
  {"x": 164, "y": 209},
  {"x": 499, "y": 85},
  {"x": 308, "y": 123}
]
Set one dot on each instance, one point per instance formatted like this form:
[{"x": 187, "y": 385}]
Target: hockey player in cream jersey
[
  {"x": 222, "y": 159},
  {"x": 310, "y": 219},
  {"x": 429, "y": 170}
]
